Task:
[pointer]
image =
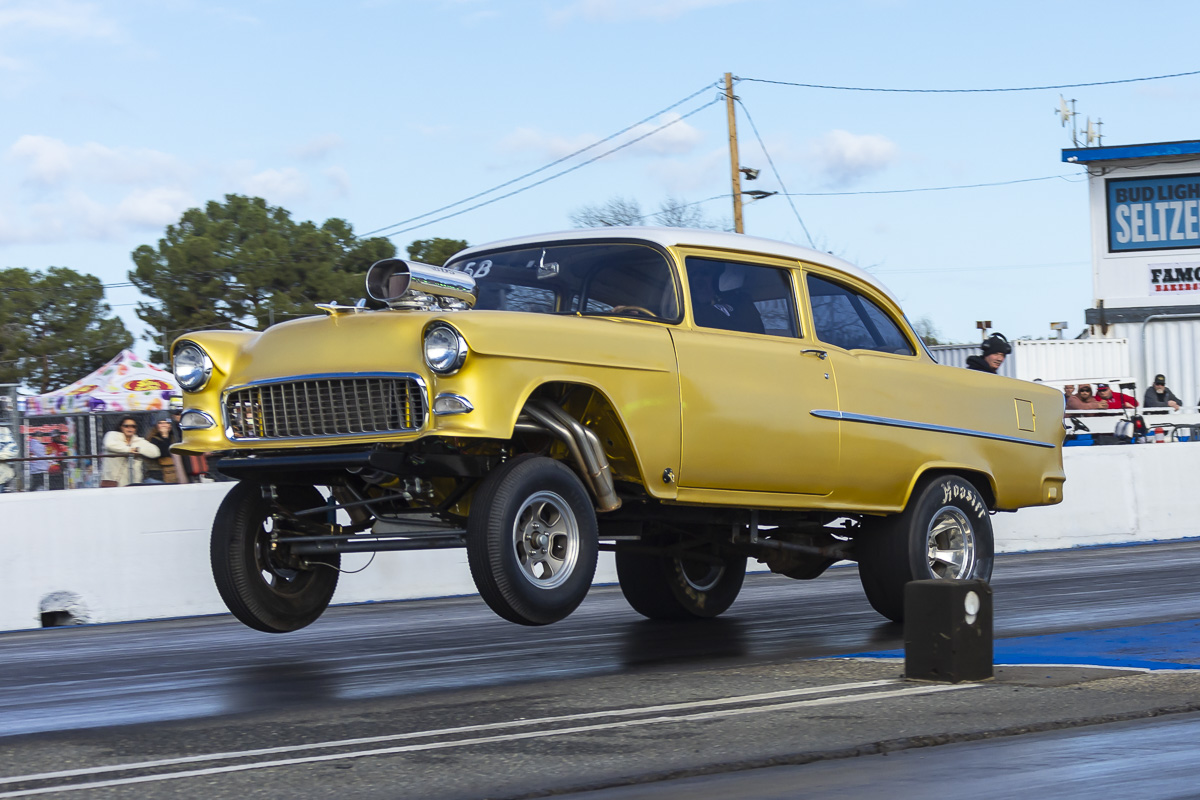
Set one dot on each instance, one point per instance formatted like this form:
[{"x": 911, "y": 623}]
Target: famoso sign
[
  {"x": 1153, "y": 213},
  {"x": 1183, "y": 276}
]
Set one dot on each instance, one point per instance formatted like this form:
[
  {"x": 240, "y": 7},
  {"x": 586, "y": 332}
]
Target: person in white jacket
[
  {"x": 125, "y": 441},
  {"x": 8, "y": 449}
]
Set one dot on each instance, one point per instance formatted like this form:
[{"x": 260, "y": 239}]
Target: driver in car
[{"x": 719, "y": 300}]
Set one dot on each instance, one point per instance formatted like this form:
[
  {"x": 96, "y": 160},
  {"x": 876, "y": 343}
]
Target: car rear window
[{"x": 848, "y": 319}]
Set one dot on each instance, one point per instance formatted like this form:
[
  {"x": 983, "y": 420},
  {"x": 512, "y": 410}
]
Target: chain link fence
[{"x": 65, "y": 451}]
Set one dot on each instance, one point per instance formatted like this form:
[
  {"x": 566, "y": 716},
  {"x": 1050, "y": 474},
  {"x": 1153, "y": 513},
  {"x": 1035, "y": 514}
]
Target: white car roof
[{"x": 697, "y": 237}]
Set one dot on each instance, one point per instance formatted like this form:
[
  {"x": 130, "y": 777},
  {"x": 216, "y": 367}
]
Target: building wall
[
  {"x": 1072, "y": 360},
  {"x": 1167, "y": 346},
  {"x": 1122, "y": 279}
]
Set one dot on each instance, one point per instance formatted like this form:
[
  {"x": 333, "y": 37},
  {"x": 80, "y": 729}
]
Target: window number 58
[{"x": 478, "y": 269}]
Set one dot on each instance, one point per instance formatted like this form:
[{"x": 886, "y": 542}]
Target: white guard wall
[{"x": 141, "y": 552}]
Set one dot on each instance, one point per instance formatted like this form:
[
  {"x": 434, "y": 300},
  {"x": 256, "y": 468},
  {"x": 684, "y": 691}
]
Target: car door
[
  {"x": 890, "y": 398},
  {"x": 748, "y": 380}
]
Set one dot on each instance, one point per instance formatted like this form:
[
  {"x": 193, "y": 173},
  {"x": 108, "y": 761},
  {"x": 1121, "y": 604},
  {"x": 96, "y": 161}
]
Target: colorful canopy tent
[{"x": 127, "y": 383}]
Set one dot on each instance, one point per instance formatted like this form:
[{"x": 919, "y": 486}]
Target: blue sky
[{"x": 117, "y": 116}]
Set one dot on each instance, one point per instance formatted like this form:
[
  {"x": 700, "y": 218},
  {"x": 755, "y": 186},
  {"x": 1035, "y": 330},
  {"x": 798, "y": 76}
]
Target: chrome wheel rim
[
  {"x": 950, "y": 544},
  {"x": 546, "y": 540}
]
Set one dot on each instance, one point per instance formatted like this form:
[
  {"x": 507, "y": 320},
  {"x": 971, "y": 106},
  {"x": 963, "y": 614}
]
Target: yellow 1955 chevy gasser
[{"x": 688, "y": 399}]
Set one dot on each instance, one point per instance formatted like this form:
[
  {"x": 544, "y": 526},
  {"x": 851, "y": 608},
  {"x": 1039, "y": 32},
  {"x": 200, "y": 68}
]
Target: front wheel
[
  {"x": 262, "y": 585},
  {"x": 944, "y": 532},
  {"x": 679, "y": 587},
  {"x": 531, "y": 540}
]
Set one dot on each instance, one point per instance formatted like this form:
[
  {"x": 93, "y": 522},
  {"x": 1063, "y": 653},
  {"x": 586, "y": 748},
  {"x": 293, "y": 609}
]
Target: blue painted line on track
[{"x": 1162, "y": 645}]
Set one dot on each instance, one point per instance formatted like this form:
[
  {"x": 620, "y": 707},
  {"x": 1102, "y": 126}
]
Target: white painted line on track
[
  {"x": 513, "y": 737},
  {"x": 491, "y": 726}
]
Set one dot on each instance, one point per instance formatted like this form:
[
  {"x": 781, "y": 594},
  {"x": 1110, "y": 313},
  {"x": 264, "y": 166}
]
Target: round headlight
[
  {"x": 192, "y": 366},
  {"x": 445, "y": 349}
]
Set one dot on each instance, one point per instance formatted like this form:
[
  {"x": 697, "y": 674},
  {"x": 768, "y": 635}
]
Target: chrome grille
[{"x": 314, "y": 407}]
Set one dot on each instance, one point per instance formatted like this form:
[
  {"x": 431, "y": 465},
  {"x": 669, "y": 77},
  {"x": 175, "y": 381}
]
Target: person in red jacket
[{"x": 1110, "y": 399}]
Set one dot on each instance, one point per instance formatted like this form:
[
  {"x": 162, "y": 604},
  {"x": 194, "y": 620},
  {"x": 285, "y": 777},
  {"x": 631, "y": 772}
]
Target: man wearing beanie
[
  {"x": 995, "y": 348},
  {"x": 1159, "y": 396}
]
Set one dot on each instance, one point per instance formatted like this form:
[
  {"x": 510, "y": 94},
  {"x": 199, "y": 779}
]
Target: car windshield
[{"x": 592, "y": 278}]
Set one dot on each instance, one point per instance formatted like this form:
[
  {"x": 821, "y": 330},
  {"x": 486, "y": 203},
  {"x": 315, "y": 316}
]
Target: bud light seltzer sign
[{"x": 1153, "y": 213}]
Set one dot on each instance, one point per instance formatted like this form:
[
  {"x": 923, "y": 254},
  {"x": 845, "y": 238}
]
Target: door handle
[{"x": 821, "y": 354}]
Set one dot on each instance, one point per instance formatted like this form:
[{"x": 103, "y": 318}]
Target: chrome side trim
[{"x": 922, "y": 426}]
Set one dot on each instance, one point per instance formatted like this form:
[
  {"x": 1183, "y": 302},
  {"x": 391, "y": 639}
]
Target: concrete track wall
[{"x": 141, "y": 552}]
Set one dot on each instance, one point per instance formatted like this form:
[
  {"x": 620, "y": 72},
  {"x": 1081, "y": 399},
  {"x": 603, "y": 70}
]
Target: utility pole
[{"x": 735, "y": 175}]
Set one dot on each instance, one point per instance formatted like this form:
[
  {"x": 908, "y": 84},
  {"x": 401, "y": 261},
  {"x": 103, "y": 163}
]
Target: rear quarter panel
[{"x": 882, "y": 462}]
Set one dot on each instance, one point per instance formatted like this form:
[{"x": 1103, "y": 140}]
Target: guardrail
[{"x": 93, "y": 555}]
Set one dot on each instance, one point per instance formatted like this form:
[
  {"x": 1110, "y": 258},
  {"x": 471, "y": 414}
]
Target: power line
[
  {"x": 778, "y": 177},
  {"x": 1000, "y": 267},
  {"x": 682, "y": 206},
  {"x": 549, "y": 178},
  {"x": 1068, "y": 178},
  {"x": 543, "y": 168},
  {"x": 969, "y": 91}
]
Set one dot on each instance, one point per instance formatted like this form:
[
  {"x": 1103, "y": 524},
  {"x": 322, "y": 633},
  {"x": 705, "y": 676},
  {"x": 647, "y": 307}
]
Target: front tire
[
  {"x": 532, "y": 540},
  {"x": 669, "y": 587},
  {"x": 945, "y": 532},
  {"x": 263, "y": 587}
]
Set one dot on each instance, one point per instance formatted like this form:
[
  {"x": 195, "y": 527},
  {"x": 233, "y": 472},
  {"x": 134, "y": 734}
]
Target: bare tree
[
  {"x": 674, "y": 212},
  {"x": 928, "y": 332},
  {"x": 616, "y": 211}
]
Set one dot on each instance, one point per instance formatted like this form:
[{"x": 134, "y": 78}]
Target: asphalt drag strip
[{"x": 265, "y": 758}]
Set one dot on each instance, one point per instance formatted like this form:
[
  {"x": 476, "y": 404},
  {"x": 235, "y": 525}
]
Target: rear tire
[
  {"x": 945, "y": 532},
  {"x": 532, "y": 540},
  {"x": 261, "y": 585},
  {"x": 673, "y": 588}
]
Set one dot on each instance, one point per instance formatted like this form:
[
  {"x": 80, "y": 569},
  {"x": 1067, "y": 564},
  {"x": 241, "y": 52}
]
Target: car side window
[
  {"x": 733, "y": 296},
  {"x": 848, "y": 319}
]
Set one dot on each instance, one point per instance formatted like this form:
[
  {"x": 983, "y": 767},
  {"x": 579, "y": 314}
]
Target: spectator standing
[
  {"x": 994, "y": 350},
  {"x": 39, "y": 468},
  {"x": 1114, "y": 400},
  {"x": 57, "y": 448},
  {"x": 162, "y": 468},
  {"x": 8, "y": 449},
  {"x": 125, "y": 441},
  {"x": 1159, "y": 396}
]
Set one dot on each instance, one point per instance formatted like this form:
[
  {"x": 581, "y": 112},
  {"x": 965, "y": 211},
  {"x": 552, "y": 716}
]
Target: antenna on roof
[{"x": 1066, "y": 115}]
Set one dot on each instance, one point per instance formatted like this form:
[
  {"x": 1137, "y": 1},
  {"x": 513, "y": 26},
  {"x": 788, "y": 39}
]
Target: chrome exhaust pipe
[{"x": 584, "y": 446}]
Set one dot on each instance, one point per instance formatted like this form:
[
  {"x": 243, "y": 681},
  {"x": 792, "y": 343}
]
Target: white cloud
[
  {"x": 55, "y": 17},
  {"x": 58, "y": 191},
  {"x": 318, "y": 147},
  {"x": 153, "y": 208},
  {"x": 842, "y": 157},
  {"x": 624, "y": 10},
  {"x": 53, "y": 162},
  {"x": 277, "y": 185},
  {"x": 543, "y": 145},
  {"x": 74, "y": 214},
  {"x": 684, "y": 177}
]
